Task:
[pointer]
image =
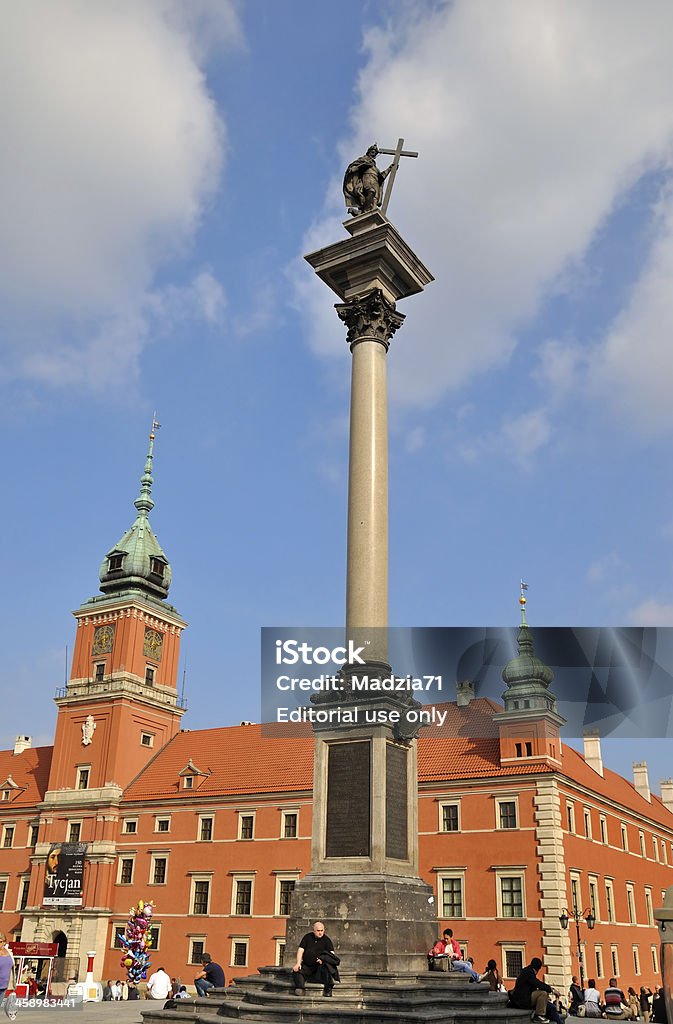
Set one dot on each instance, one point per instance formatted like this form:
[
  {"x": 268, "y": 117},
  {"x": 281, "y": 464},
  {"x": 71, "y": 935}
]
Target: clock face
[
  {"x": 153, "y": 644},
  {"x": 103, "y": 638}
]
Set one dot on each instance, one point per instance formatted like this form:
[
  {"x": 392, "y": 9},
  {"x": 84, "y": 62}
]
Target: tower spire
[
  {"x": 144, "y": 502},
  {"x": 137, "y": 562}
]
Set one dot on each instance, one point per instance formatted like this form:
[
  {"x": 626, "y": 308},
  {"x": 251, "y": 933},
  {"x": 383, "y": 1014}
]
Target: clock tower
[
  {"x": 121, "y": 703},
  {"x": 119, "y": 708}
]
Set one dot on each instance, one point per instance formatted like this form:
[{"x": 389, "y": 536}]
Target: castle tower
[
  {"x": 119, "y": 708},
  {"x": 530, "y": 724}
]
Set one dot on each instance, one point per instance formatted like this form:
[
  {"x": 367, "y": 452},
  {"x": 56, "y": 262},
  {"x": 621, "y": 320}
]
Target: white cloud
[
  {"x": 605, "y": 567},
  {"x": 112, "y": 145},
  {"x": 652, "y": 613},
  {"x": 532, "y": 121},
  {"x": 415, "y": 440}
]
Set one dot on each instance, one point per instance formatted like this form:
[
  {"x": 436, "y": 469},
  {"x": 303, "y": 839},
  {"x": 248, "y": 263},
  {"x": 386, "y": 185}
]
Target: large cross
[{"x": 396, "y": 153}]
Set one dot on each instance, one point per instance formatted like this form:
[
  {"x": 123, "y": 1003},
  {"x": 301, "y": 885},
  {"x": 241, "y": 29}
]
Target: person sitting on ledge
[
  {"x": 316, "y": 960},
  {"x": 212, "y": 976},
  {"x": 529, "y": 993},
  {"x": 447, "y": 951}
]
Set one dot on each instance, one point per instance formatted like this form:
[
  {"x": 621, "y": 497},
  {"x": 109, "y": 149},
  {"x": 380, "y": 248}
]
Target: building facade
[{"x": 214, "y": 825}]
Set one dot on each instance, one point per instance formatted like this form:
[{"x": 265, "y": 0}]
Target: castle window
[
  {"x": 125, "y": 871},
  {"x": 625, "y": 837},
  {"x": 162, "y": 825},
  {"x": 150, "y": 672},
  {"x": 188, "y": 782},
  {"x": 23, "y": 899},
  {"x": 513, "y": 962},
  {"x": 159, "y": 867},
  {"x": 587, "y": 823},
  {"x": 636, "y": 960},
  {"x": 284, "y": 896},
  {"x": 246, "y": 826},
  {"x": 3, "y": 892},
  {"x": 74, "y": 831},
  {"x": 115, "y": 563},
  {"x": 641, "y": 839},
  {"x": 242, "y": 897},
  {"x": 451, "y": 895},
  {"x": 648, "y": 907},
  {"x": 130, "y": 826},
  {"x": 280, "y": 952},
  {"x": 610, "y": 902},
  {"x": 450, "y": 820},
  {"x": 655, "y": 959},
  {"x": 529, "y": 749},
  {"x": 157, "y": 568},
  {"x": 290, "y": 821},
  {"x": 146, "y": 739},
  {"x": 604, "y": 830},
  {"x": 200, "y": 895},
  {"x": 205, "y": 829},
  {"x": 599, "y": 962},
  {"x": 34, "y": 831},
  {"x": 507, "y": 817},
  {"x": 239, "y": 952},
  {"x": 83, "y": 777},
  {"x": 593, "y": 898},
  {"x": 570, "y": 813},
  {"x": 99, "y": 672},
  {"x": 631, "y": 903},
  {"x": 7, "y": 837},
  {"x": 6, "y": 793},
  {"x": 197, "y": 948},
  {"x": 510, "y": 894},
  {"x": 614, "y": 955}
]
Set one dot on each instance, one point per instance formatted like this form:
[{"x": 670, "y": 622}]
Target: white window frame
[
  {"x": 284, "y": 814},
  {"x": 451, "y": 873},
  {"x": 150, "y": 670},
  {"x": 162, "y": 817},
  {"x": 614, "y": 959},
  {"x": 4, "y": 878},
  {"x": 603, "y": 825},
  {"x": 188, "y": 782},
  {"x": 649, "y": 906},
  {"x": 98, "y": 676},
  {"x": 600, "y": 962},
  {"x": 512, "y": 947},
  {"x": 588, "y": 830},
  {"x": 74, "y": 821},
  {"x": 610, "y": 908},
  {"x": 643, "y": 848},
  {"x": 204, "y": 817},
  {"x": 655, "y": 848},
  {"x": 190, "y": 949},
  {"x": 19, "y": 896},
  {"x": 442, "y": 805},
  {"x": 507, "y": 800},
  {"x": 78, "y": 777},
  {"x": 623, "y": 828},
  {"x": 238, "y": 940},
  {"x": 5, "y": 827},
  {"x": 36, "y": 826},
  {"x": 127, "y": 831},
  {"x": 500, "y": 874},
  {"x": 664, "y": 858},
  {"x": 631, "y": 903},
  {"x": 636, "y": 961},
  {"x": 242, "y": 876},
  {"x": 283, "y": 876},
  {"x": 281, "y": 947},
  {"x": 570, "y": 816},
  {"x": 241, "y": 816},
  {"x": 201, "y": 877},
  {"x": 654, "y": 953},
  {"x": 122, "y": 857},
  {"x": 154, "y": 857},
  {"x": 150, "y": 736}
]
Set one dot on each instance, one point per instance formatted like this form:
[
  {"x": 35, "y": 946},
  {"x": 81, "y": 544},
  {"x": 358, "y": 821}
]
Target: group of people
[
  {"x": 446, "y": 955},
  {"x": 615, "y": 1005},
  {"x": 161, "y": 986}
]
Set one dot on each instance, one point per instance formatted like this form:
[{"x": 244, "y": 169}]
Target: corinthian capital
[{"x": 370, "y": 318}]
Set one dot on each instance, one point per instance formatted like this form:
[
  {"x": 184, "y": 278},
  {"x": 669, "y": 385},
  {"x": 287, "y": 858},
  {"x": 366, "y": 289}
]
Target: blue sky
[{"x": 167, "y": 166}]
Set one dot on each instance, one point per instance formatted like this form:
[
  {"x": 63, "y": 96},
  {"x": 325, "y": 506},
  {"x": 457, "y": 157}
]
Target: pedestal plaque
[
  {"x": 397, "y": 839},
  {"x": 348, "y": 800}
]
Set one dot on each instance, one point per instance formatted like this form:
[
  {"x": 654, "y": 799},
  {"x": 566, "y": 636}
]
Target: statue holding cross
[{"x": 363, "y": 181}]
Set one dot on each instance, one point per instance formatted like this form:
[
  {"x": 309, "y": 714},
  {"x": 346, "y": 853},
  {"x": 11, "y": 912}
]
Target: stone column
[{"x": 371, "y": 321}]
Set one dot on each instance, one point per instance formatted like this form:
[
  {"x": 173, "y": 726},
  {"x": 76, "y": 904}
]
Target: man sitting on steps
[
  {"x": 317, "y": 960},
  {"x": 447, "y": 951}
]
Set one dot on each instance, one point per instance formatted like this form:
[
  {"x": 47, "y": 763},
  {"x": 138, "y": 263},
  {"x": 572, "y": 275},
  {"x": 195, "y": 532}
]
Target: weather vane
[{"x": 363, "y": 181}]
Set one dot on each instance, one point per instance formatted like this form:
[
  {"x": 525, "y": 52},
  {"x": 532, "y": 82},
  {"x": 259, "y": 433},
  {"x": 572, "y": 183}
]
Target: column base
[{"x": 377, "y": 922}]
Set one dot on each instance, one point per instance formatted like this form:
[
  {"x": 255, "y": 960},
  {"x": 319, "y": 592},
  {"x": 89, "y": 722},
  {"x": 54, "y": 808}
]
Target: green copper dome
[
  {"x": 137, "y": 562},
  {"x": 526, "y": 669}
]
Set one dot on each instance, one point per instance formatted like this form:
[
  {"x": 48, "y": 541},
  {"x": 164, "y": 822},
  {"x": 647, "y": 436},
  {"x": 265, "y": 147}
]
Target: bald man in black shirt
[{"x": 309, "y": 963}]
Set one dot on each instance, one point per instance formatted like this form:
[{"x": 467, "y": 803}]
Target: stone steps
[{"x": 360, "y": 998}]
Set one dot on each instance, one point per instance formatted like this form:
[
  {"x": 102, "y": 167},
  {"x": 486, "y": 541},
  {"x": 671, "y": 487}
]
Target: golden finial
[
  {"x": 522, "y": 602},
  {"x": 155, "y": 426}
]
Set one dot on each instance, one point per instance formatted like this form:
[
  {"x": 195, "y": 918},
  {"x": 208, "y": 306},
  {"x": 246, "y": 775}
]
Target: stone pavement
[{"x": 91, "y": 1013}]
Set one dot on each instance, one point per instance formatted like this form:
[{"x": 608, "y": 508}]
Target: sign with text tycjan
[{"x": 64, "y": 876}]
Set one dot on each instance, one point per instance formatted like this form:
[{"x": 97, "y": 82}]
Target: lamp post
[{"x": 578, "y": 916}]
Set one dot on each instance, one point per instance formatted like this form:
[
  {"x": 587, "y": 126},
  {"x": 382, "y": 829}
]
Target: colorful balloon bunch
[{"x": 137, "y": 942}]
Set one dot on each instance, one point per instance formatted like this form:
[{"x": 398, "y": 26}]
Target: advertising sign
[{"x": 64, "y": 876}]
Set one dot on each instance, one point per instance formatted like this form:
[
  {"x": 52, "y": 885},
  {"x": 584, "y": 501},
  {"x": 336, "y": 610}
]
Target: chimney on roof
[
  {"x": 22, "y": 743},
  {"x": 667, "y": 794},
  {"x": 245, "y": 722},
  {"x": 641, "y": 780},
  {"x": 592, "y": 752},
  {"x": 464, "y": 692}
]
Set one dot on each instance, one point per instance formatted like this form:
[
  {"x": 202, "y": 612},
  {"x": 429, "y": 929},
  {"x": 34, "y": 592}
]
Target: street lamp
[{"x": 578, "y": 916}]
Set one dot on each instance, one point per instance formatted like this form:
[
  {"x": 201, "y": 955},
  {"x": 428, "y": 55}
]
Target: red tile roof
[{"x": 30, "y": 771}]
